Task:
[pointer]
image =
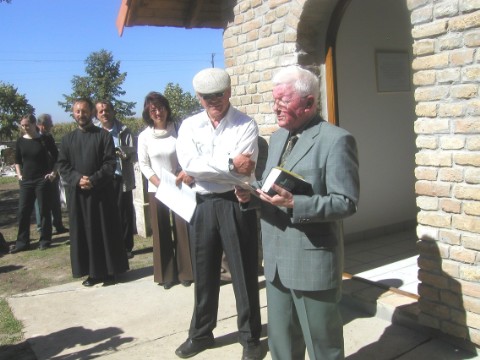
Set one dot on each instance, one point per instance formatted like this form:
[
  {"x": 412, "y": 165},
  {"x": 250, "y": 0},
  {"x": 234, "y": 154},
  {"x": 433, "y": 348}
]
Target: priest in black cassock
[{"x": 87, "y": 164}]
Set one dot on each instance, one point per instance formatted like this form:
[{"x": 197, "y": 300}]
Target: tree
[
  {"x": 182, "y": 103},
  {"x": 12, "y": 107},
  {"x": 103, "y": 81}
]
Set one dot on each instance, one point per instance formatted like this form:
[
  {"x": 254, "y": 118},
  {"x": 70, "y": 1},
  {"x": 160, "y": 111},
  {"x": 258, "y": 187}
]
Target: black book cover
[{"x": 288, "y": 180}]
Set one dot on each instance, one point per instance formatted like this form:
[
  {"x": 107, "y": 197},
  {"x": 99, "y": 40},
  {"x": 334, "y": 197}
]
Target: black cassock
[{"x": 96, "y": 245}]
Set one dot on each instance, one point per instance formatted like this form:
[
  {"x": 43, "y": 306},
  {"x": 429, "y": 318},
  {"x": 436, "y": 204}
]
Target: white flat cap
[{"x": 211, "y": 81}]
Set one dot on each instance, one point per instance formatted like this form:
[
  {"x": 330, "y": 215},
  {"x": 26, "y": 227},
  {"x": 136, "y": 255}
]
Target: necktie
[{"x": 288, "y": 149}]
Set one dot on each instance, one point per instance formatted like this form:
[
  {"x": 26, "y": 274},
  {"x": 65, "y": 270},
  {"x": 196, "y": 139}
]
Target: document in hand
[
  {"x": 235, "y": 181},
  {"x": 288, "y": 180},
  {"x": 180, "y": 199}
]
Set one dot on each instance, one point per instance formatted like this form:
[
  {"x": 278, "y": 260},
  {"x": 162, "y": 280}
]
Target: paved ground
[{"x": 137, "y": 319}]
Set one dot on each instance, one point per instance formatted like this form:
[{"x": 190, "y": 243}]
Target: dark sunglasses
[{"x": 212, "y": 96}]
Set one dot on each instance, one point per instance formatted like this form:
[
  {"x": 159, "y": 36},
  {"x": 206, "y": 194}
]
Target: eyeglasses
[
  {"x": 212, "y": 96},
  {"x": 281, "y": 104},
  {"x": 156, "y": 110}
]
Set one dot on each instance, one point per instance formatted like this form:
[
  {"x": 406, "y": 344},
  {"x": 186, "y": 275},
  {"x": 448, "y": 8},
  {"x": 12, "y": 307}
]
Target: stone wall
[
  {"x": 261, "y": 38},
  {"x": 446, "y": 76}
]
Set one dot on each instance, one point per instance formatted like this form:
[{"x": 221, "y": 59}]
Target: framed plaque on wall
[{"x": 392, "y": 70}]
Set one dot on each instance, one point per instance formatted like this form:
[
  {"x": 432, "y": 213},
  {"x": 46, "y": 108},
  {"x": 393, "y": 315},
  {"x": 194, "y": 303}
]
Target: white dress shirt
[{"x": 203, "y": 150}]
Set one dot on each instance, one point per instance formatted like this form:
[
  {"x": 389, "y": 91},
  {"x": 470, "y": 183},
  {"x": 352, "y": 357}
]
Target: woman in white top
[{"x": 156, "y": 151}]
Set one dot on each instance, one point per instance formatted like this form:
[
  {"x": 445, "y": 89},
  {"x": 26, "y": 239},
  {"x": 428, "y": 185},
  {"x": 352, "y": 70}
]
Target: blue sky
[{"x": 45, "y": 43}]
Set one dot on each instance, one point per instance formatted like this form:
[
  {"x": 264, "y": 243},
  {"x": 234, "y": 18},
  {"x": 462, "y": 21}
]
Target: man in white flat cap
[{"x": 220, "y": 140}]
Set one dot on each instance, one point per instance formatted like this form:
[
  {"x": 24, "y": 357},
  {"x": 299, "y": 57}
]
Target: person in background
[
  {"x": 35, "y": 156},
  {"x": 156, "y": 152},
  {"x": 302, "y": 233},
  {"x": 44, "y": 125},
  {"x": 87, "y": 162},
  {"x": 213, "y": 146},
  {"x": 124, "y": 176}
]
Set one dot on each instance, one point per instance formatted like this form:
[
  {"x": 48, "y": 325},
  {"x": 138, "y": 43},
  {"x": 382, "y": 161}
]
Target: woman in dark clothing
[{"x": 34, "y": 158}]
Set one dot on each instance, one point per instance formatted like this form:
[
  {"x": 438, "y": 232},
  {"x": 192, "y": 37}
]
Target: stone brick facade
[
  {"x": 267, "y": 35},
  {"x": 446, "y": 78}
]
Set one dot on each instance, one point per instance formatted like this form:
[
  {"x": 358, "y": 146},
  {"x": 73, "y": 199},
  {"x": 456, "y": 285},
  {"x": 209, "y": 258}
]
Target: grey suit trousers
[{"x": 303, "y": 319}]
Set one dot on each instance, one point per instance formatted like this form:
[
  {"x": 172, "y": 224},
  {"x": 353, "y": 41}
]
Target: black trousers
[
  {"x": 125, "y": 206},
  {"x": 55, "y": 206},
  {"x": 30, "y": 190},
  {"x": 218, "y": 225}
]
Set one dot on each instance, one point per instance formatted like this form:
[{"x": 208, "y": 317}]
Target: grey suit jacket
[{"x": 305, "y": 244}]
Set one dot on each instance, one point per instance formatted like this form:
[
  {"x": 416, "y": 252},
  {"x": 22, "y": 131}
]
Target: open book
[{"x": 288, "y": 180}]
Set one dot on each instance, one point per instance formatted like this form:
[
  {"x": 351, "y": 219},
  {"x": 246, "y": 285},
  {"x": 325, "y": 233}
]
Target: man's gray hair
[
  {"x": 304, "y": 82},
  {"x": 44, "y": 118}
]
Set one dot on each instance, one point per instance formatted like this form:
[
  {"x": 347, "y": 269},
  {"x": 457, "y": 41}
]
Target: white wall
[{"x": 382, "y": 123}]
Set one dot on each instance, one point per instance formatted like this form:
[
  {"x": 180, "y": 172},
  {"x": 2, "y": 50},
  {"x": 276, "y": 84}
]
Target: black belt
[{"x": 229, "y": 195}]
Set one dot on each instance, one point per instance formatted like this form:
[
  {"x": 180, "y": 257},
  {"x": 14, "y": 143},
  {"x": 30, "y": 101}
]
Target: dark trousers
[
  {"x": 218, "y": 225},
  {"x": 30, "y": 190},
  {"x": 299, "y": 320},
  {"x": 125, "y": 206},
  {"x": 55, "y": 206},
  {"x": 171, "y": 250}
]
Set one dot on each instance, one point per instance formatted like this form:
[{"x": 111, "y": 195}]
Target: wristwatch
[{"x": 231, "y": 167}]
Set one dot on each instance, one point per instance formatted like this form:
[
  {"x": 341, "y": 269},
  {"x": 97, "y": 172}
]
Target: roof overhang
[{"x": 174, "y": 13}]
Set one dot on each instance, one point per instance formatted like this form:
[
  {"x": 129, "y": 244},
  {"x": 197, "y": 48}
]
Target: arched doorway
[{"x": 378, "y": 108}]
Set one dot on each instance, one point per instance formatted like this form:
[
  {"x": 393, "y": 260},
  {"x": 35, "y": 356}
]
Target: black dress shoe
[
  {"x": 192, "y": 347},
  {"x": 91, "y": 281},
  {"x": 187, "y": 283},
  {"x": 169, "y": 284},
  {"x": 109, "y": 280},
  {"x": 14, "y": 249},
  {"x": 61, "y": 230},
  {"x": 4, "y": 248},
  {"x": 252, "y": 352}
]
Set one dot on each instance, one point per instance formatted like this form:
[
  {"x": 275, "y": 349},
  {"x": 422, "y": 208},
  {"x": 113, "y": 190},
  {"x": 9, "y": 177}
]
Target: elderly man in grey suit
[{"x": 302, "y": 233}]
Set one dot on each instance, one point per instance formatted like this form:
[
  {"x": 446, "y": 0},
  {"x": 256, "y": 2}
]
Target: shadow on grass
[{"x": 9, "y": 268}]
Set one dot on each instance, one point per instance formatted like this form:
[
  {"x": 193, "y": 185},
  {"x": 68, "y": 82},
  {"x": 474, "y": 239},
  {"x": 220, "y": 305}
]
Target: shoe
[
  {"x": 61, "y": 230},
  {"x": 4, "y": 248},
  {"x": 192, "y": 347},
  {"x": 187, "y": 283},
  {"x": 91, "y": 281},
  {"x": 169, "y": 284},
  {"x": 14, "y": 249},
  {"x": 129, "y": 255},
  {"x": 109, "y": 280},
  {"x": 44, "y": 246},
  {"x": 252, "y": 352}
]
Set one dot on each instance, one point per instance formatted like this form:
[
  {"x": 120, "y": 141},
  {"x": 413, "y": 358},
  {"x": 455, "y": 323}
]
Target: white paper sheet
[{"x": 180, "y": 199}]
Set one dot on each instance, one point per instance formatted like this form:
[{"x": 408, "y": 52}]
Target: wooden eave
[{"x": 173, "y": 13}]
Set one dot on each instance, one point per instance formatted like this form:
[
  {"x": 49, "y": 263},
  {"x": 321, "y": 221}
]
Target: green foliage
[
  {"x": 103, "y": 81},
  {"x": 182, "y": 103},
  {"x": 135, "y": 125},
  {"x": 12, "y": 106},
  {"x": 59, "y": 130},
  {"x": 8, "y": 180},
  {"x": 10, "y": 328}
]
